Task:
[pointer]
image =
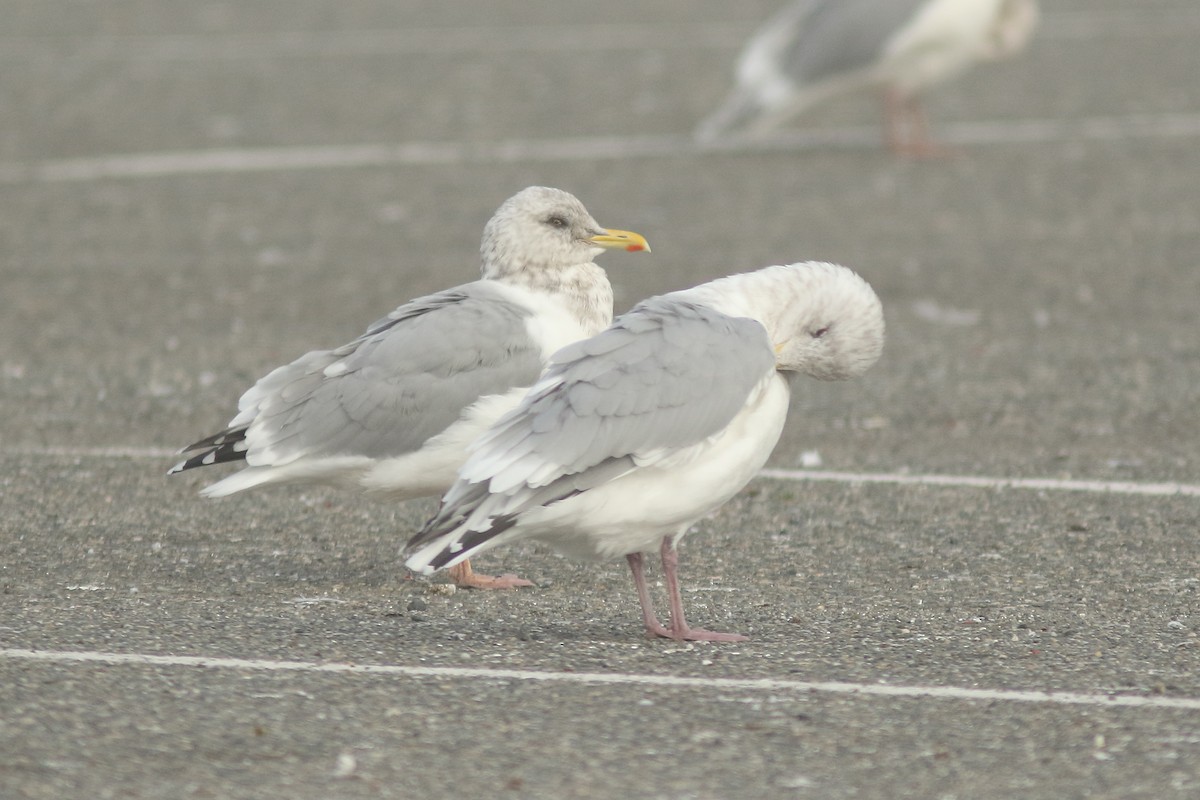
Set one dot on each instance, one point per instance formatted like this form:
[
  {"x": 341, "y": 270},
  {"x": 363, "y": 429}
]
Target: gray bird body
[
  {"x": 832, "y": 38},
  {"x": 666, "y": 377},
  {"x": 631, "y": 436},
  {"x": 391, "y": 412},
  {"x": 634, "y": 434},
  {"x": 339, "y": 416}
]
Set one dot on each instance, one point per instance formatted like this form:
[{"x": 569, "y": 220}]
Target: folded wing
[
  {"x": 387, "y": 392},
  {"x": 662, "y": 380}
]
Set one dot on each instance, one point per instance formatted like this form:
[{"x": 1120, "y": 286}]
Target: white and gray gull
[
  {"x": 633, "y": 435},
  {"x": 813, "y": 50},
  {"x": 390, "y": 413}
]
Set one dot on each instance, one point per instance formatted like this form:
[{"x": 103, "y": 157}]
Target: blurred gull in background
[{"x": 813, "y": 50}]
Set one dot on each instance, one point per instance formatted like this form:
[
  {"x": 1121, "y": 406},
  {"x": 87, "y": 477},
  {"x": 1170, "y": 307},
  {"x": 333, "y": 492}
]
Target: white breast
[
  {"x": 551, "y": 324},
  {"x": 945, "y": 37}
]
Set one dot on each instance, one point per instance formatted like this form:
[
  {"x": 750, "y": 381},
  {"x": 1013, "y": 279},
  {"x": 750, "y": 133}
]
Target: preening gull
[
  {"x": 815, "y": 49},
  {"x": 390, "y": 413},
  {"x": 631, "y": 436}
]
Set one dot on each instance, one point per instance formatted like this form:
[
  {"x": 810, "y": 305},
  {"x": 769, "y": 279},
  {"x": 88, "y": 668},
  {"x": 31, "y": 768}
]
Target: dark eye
[
  {"x": 819, "y": 332},
  {"x": 557, "y": 222}
]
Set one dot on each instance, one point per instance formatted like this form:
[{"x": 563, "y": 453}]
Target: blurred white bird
[
  {"x": 633, "y": 435},
  {"x": 815, "y": 49},
  {"x": 390, "y": 414}
]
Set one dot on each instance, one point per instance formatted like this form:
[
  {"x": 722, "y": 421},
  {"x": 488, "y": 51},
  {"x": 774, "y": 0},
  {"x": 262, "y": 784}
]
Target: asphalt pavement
[{"x": 974, "y": 575}]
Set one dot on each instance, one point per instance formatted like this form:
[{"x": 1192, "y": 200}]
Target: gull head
[
  {"x": 827, "y": 322},
  {"x": 1013, "y": 27},
  {"x": 540, "y": 230},
  {"x": 823, "y": 319}
]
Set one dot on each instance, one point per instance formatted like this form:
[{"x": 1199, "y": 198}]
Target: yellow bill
[{"x": 614, "y": 239}]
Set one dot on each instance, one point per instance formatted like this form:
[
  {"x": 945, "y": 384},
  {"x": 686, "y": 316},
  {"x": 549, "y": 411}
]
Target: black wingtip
[
  {"x": 219, "y": 454},
  {"x": 473, "y": 539},
  {"x": 227, "y": 436}
]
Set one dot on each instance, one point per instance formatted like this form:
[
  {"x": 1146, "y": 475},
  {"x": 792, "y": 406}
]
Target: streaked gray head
[{"x": 538, "y": 229}]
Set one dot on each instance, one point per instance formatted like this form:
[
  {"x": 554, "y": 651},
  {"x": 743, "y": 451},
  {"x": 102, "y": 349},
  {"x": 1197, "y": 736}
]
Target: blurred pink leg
[{"x": 907, "y": 128}]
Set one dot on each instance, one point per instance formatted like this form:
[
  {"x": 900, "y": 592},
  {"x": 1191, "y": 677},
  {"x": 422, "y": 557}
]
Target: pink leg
[
  {"x": 922, "y": 145},
  {"x": 893, "y": 120},
  {"x": 907, "y": 128},
  {"x": 462, "y": 575},
  {"x": 649, "y": 618},
  {"x": 679, "y": 626}
]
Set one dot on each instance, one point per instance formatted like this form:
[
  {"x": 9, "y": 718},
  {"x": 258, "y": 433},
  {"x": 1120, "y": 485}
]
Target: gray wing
[
  {"x": 666, "y": 376},
  {"x": 839, "y": 36},
  {"x": 384, "y": 394},
  {"x": 808, "y": 42}
]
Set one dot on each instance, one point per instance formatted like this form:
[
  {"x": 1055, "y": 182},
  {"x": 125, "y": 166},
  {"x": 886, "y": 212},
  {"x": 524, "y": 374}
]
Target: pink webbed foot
[
  {"x": 688, "y": 634},
  {"x": 464, "y": 576}
]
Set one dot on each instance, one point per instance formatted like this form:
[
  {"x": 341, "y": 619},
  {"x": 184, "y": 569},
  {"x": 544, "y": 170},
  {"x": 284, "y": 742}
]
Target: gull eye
[
  {"x": 819, "y": 332},
  {"x": 557, "y": 221}
]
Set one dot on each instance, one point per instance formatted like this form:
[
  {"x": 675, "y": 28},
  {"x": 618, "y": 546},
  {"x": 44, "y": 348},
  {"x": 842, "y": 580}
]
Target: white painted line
[
  {"x": 570, "y": 39},
  {"x": 93, "y": 452},
  {"x": 621, "y": 679},
  {"x": 1158, "y": 489},
  {"x": 583, "y": 148},
  {"x": 979, "y": 482},
  {"x": 219, "y": 161},
  {"x": 983, "y": 132}
]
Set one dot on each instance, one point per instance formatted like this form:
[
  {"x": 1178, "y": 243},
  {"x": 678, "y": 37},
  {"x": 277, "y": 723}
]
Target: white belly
[
  {"x": 431, "y": 469},
  {"x": 634, "y": 512}
]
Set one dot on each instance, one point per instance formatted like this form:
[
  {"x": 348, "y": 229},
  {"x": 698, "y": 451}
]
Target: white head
[
  {"x": 823, "y": 319},
  {"x": 541, "y": 230},
  {"x": 1012, "y": 29}
]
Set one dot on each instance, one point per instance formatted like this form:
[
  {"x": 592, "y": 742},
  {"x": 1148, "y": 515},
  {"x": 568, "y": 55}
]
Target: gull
[
  {"x": 634, "y": 434},
  {"x": 816, "y": 49},
  {"x": 390, "y": 414}
]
